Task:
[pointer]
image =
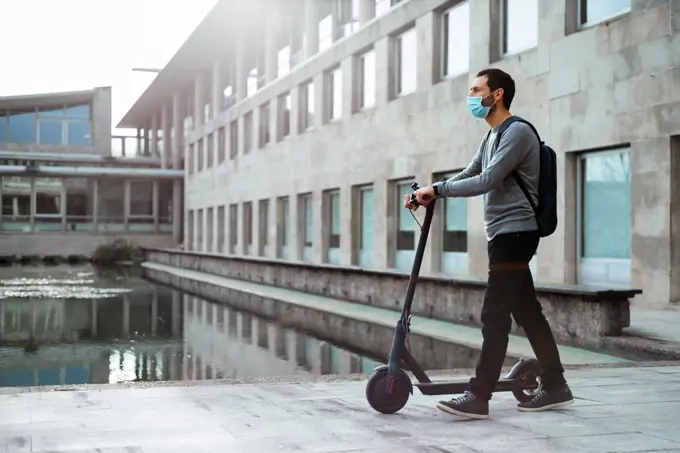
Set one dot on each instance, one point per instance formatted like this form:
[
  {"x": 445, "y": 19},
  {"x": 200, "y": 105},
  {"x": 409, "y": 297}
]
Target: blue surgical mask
[{"x": 475, "y": 107}]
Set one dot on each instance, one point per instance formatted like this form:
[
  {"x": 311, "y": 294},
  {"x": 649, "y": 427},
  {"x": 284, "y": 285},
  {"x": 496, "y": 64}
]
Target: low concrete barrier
[{"x": 579, "y": 315}]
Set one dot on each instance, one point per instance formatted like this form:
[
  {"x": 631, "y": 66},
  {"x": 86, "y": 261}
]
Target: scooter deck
[{"x": 459, "y": 386}]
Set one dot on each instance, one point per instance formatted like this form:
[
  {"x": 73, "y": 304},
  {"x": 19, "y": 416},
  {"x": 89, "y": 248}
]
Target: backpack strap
[{"x": 518, "y": 179}]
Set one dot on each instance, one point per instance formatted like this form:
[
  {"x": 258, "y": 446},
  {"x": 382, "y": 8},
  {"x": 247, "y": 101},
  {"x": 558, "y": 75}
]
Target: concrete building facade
[
  {"x": 304, "y": 126},
  {"x": 63, "y": 193}
]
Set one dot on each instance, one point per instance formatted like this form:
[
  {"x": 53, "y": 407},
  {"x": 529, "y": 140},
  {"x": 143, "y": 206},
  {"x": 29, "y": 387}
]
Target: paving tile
[
  {"x": 103, "y": 450},
  {"x": 15, "y": 444},
  {"x": 613, "y": 443},
  {"x": 665, "y": 369},
  {"x": 615, "y": 411},
  {"x": 558, "y": 424},
  {"x": 152, "y": 433}
]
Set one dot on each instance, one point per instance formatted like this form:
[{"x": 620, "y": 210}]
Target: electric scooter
[{"x": 389, "y": 387}]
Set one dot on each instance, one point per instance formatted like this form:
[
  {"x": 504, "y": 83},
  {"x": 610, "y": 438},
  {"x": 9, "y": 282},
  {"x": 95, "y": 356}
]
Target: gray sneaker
[
  {"x": 548, "y": 399},
  {"x": 468, "y": 406}
]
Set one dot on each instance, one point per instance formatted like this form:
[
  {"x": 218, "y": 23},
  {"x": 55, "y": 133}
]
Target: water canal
[{"x": 78, "y": 325}]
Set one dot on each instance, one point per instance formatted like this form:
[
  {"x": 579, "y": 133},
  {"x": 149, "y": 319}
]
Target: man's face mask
[{"x": 475, "y": 107}]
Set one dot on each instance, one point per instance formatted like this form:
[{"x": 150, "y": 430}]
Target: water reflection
[
  {"x": 132, "y": 330},
  {"x": 221, "y": 342}
]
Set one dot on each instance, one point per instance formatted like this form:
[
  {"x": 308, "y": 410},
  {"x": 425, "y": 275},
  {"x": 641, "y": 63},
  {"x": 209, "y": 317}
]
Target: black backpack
[{"x": 546, "y": 211}]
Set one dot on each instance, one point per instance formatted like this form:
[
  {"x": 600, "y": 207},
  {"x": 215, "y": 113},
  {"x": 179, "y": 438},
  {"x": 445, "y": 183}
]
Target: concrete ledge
[
  {"x": 435, "y": 344},
  {"x": 578, "y": 315}
]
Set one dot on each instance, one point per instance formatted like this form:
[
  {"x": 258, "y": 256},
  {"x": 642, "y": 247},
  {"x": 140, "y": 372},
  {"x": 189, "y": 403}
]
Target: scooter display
[{"x": 389, "y": 386}]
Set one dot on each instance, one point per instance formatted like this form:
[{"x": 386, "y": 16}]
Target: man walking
[{"x": 513, "y": 235}]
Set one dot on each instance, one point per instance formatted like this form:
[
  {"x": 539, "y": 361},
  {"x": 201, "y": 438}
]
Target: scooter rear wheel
[
  {"x": 379, "y": 399},
  {"x": 526, "y": 382}
]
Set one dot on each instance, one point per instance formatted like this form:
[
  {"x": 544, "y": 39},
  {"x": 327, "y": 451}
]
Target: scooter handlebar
[{"x": 414, "y": 201}]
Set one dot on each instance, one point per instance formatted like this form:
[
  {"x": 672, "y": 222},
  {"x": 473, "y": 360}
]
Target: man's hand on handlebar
[{"x": 421, "y": 197}]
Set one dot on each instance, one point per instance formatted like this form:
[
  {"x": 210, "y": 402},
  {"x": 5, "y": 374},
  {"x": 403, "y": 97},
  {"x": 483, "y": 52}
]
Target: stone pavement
[
  {"x": 618, "y": 410},
  {"x": 656, "y": 324}
]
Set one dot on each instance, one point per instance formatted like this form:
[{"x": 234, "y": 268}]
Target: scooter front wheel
[{"x": 379, "y": 399}]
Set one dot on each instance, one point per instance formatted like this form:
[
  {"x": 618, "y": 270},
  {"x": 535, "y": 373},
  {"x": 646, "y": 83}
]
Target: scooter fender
[
  {"x": 514, "y": 372},
  {"x": 385, "y": 368}
]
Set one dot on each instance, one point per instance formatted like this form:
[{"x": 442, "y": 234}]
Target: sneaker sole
[
  {"x": 451, "y": 411},
  {"x": 547, "y": 408}
]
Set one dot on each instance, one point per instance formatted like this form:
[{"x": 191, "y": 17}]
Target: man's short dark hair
[{"x": 497, "y": 78}]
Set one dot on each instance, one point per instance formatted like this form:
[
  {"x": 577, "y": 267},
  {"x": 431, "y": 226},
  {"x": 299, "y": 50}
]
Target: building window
[
  {"x": 190, "y": 158},
  {"x": 199, "y": 232},
  {"x": 59, "y": 126},
  {"x": 233, "y": 139},
  {"x": 159, "y": 143},
  {"x": 3, "y": 127},
  {"x": 233, "y": 228},
  {"x": 325, "y": 33},
  {"x": 209, "y": 229},
  {"x": 221, "y": 145},
  {"x": 591, "y": 12},
  {"x": 207, "y": 112},
  {"x": 210, "y": 152},
  {"x": 405, "y": 62},
  {"x": 456, "y": 40},
  {"x": 307, "y": 219},
  {"x": 50, "y": 132},
  {"x": 247, "y": 132},
  {"x": 252, "y": 82},
  {"x": 605, "y": 217},
  {"x": 454, "y": 233},
  {"x": 190, "y": 235},
  {"x": 335, "y": 94},
  {"x": 366, "y": 231},
  {"x": 282, "y": 227},
  {"x": 284, "y": 115},
  {"x": 220, "y": 229},
  {"x": 332, "y": 211},
  {"x": 264, "y": 125},
  {"x": 383, "y": 6},
  {"x": 406, "y": 229},
  {"x": 22, "y": 127},
  {"x": 262, "y": 227},
  {"x": 247, "y": 228},
  {"x": 367, "y": 80},
  {"x": 199, "y": 165},
  {"x": 283, "y": 66},
  {"x": 307, "y": 106},
  {"x": 519, "y": 25},
  {"x": 348, "y": 18}
]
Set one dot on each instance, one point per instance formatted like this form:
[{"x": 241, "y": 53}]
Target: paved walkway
[
  {"x": 656, "y": 324},
  {"x": 442, "y": 330},
  {"x": 618, "y": 410}
]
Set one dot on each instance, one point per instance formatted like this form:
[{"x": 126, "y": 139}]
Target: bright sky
[{"x": 65, "y": 45}]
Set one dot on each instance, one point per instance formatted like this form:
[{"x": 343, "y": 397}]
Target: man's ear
[{"x": 498, "y": 95}]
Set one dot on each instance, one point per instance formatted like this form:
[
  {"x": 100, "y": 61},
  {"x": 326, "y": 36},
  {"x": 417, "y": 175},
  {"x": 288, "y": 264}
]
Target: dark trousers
[{"x": 510, "y": 291}]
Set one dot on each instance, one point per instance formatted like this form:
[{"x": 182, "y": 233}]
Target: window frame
[
  {"x": 580, "y": 180},
  {"x": 332, "y": 75},
  {"x": 444, "y": 41},
  {"x": 233, "y": 139},
  {"x": 397, "y": 46},
  {"x": 503, "y": 29},
  {"x": 362, "y": 79},
  {"x": 582, "y": 9},
  {"x": 305, "y": 110}
]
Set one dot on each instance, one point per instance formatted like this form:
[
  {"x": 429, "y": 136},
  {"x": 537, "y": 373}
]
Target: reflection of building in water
[
  {"x": 74, "y": 339},
  {"x": 223, "y": 343}
]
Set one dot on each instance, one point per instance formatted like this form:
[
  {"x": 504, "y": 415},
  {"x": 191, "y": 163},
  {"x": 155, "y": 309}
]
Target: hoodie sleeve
[{"x": 512, "y": 150}]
